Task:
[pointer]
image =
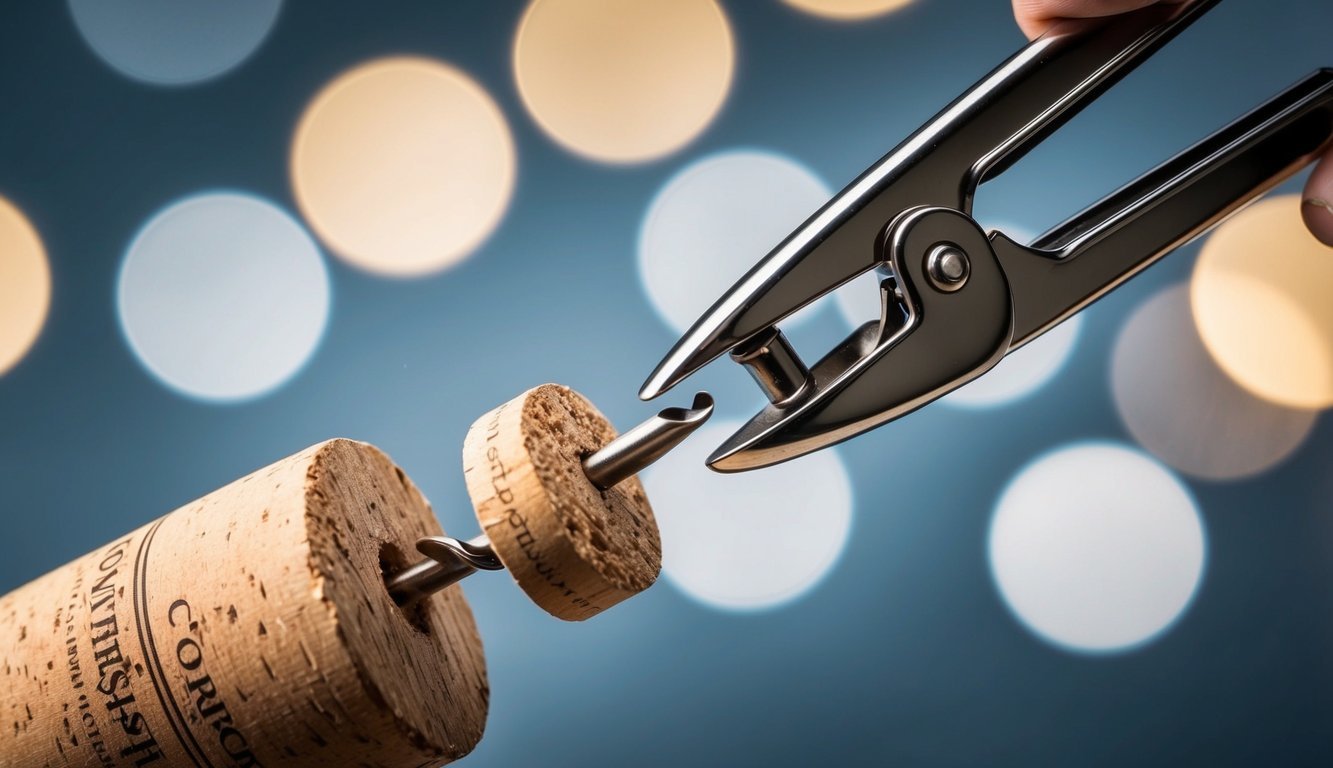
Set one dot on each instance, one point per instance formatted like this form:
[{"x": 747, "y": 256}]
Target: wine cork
[
  {"x": 249, "y": 628},
  {"x": 575, "y": 549}
]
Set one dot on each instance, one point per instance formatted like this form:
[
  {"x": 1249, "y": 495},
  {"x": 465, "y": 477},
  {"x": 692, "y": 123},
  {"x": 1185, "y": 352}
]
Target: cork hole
[{"x": 393, "y": 562}]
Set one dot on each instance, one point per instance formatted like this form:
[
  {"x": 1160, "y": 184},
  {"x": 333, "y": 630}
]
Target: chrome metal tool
[{"x": 954, "y": 298}]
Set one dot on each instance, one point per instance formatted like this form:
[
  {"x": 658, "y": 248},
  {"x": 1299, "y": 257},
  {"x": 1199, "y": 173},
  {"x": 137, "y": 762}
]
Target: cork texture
[
  {"x": 249, "y": 628},
  {"x": 574, "y": 549}
]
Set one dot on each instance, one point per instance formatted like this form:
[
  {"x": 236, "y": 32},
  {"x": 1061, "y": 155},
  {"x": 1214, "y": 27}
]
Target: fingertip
[
  {"x": 1030, "y": 20},
  {"x": 1317, "y": 203},
  {"x": 1318, "y": 215},
  {"x": 1034, "y": 29}
]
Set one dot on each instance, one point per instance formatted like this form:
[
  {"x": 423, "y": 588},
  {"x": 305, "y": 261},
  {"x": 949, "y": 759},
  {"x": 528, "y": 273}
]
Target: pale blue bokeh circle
[
  {"x": 223, "y": 296},
  {"x": 713, "y": 221},
  {"x": 1097, "y": 547},
  {"x": 174, "y": 42},
  {"x": 750, "y": 541}
]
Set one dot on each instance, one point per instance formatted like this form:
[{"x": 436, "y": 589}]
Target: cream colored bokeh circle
[
  {"x": 847, "y": 10},
  {"x": 623, "y": 82},
  {"x": 1262, "y": 300},
  {"x": 1178, "y": 404},
  {"x": 25, "y": 285},
  {"x": 403, "y": 166}
]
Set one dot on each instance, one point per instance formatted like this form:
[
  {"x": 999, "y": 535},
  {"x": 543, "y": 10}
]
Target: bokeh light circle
[
  {"x": 25, "y": 285},
  {"x": 174, "y": 42},
  {"x": 1015, "y": 377},
  {"x": 858, "y": 301},
  {"x": 403, "y": 166},
  {"x": 1179, "y": 405},
  {"x": 752, "y": 540},
  {"x": 713, "y": 221},
  {"x": 848, "y": 10},
  {"x": 223, "y": 296},
  {"x": 1261, "y": 301},
  {"x": 1096, "y": 547},
  {"x": 623, "y": 82}
]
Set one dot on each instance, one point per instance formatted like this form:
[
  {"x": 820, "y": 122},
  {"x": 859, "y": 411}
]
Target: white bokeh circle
[
  {"x": 174, "y": 42},
  {"x": 859, "y": 300},
  {"x": 223, "y": 296},
  {"x": 715, "y": 220},
  {"x": 1096, "y": 547},
  {"x": 752, "y": 540},
  {"x": 1181, "y": 406}
]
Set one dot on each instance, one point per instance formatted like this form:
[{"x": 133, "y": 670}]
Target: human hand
[{"x": 1036, "y": 16}]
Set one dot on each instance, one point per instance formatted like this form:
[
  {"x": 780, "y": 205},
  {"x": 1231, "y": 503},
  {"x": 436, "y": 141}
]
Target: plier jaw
[
  {"x": 954, "y": 299},
  {"x": 947, "y": 318}
]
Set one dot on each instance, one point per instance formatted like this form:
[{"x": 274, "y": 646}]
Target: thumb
[{"x": 1317, "y": 209}]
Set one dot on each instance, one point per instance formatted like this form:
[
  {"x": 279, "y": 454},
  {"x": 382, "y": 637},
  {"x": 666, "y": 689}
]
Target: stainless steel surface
[
  {"x": 1092, "y": 253},
  {"x": 993, "y": 124},
  {"x": 773, "y": 363},
  {"x": 449, "y": 560},
  {"x": 947, "y": 267},
  {"x": 968, "y": 332},
  {"x": 918, "y": 198},
  {"x": 649, "y": 441}
]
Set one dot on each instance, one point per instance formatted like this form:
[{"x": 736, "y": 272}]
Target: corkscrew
[{"x": 448, "y": 560}]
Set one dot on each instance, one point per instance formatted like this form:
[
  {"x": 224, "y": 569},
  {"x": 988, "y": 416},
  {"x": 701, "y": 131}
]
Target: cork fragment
[
  {"x": 249, "y": 628},
  {"x": 574, "y": 549}
]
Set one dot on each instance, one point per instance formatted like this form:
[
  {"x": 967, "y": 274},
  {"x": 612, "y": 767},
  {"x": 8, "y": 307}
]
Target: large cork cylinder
[{"x": 250, "y": 628}]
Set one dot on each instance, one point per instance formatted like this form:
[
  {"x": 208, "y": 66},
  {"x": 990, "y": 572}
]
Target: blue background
[{"x": 905, "y": 654}]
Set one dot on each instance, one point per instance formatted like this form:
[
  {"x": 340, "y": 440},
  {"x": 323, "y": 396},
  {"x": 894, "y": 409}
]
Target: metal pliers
[{"x": 954, "y": 298}]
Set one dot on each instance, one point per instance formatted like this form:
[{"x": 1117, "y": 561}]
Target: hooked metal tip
[
  {"x": 477, "y": 553},
  {"x": 630, "y": 453},
  {"x": 447, "y": 562}
]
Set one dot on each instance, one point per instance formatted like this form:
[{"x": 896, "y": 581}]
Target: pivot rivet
[{"x": 947, "y": 267}]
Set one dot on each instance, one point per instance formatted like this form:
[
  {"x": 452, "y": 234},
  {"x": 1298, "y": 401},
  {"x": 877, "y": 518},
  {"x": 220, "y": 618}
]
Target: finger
[
  {"x": 1318, "y": 208},
  {"x": 1036, "y": 16}
]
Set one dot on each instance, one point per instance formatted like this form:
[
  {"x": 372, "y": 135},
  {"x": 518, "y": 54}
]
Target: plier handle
[{"x": 954, "y": 298}]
